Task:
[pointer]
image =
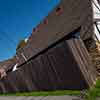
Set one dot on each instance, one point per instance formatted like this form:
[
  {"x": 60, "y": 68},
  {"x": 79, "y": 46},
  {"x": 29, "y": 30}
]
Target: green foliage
[{"x": 94, "y": 92}]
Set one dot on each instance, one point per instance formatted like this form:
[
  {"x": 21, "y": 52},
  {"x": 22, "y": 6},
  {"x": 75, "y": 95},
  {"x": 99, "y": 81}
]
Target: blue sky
[{"x": 17, "y": 18}]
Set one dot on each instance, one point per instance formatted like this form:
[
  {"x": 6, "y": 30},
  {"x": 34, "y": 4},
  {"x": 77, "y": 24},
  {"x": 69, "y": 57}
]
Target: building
[{"x": 55, "y": 57}]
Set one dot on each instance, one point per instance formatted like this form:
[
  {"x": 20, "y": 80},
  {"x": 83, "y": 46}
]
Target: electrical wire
[
  {"x": 97, "y": 27},
  {"x": 98, "y": 32},
  {"x": 97, "y": 13},
  {"x": 95, "y": 5},
  {"x": 5, "y": 35},
  {"x": 98, "y": 2},
  {"x": 98, "y": 7}
]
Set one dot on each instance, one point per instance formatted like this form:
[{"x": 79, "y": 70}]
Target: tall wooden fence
[{"x": 65, "y": 65}]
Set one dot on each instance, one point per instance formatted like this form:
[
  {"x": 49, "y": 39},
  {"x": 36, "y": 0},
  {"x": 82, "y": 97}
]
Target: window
[
  {"x": 59, "y": 10},
  {"x": 34, "y": 30},
  {"x": 40, "y": 26},
  {"x": 45, "y": 21}
]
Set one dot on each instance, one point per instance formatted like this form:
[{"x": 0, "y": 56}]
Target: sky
[{"x": 17, "y": 18}]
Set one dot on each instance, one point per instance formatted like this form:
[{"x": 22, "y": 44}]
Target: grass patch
[
  {"x": 94, "y": 92},
  {"x": 42, "y": 93},
  {"x": 91, "y": 93}
]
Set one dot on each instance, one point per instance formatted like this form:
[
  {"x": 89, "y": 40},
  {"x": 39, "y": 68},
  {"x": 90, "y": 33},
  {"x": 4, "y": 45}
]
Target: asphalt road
[{"x": 39, "y": 98}]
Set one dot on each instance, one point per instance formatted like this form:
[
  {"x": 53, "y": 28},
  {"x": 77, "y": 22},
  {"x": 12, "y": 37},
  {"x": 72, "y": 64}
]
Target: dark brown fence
[{"x": 64, "y": 66}]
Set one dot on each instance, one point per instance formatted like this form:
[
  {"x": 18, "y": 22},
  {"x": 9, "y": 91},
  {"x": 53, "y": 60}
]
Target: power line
[
  {"x": 5, "y": 35},
  {"x": 95, "y": 5},
  {"x": 97, "y": 13},
  {"x": 97, "y": 27},
  {"x": 98, "y": 2},
  {"x": 98, "y": 32}
]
